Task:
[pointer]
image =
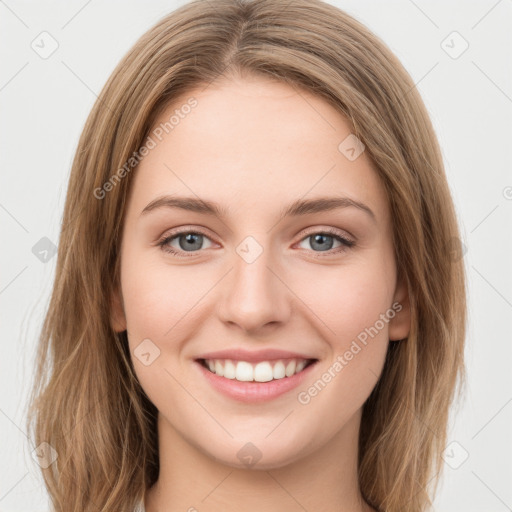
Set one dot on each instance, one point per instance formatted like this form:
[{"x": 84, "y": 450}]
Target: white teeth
[
  {"x": 229, "y": 370},
  {"x": 263, "y": 371},
  {"x": 279, "y": 370},
  {"x": 300, "y": 366},
  {"x": 219, "y": 368},
  {"x": 244, "y": 371},
  {"x": 290, "y": 368}
]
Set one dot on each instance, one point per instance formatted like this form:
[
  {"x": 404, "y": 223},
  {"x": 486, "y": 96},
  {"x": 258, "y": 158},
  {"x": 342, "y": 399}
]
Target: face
[{"x": 251, "y": 291}]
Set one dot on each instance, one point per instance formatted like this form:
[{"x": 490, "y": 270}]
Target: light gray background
[{"x": 44, "y": 104}]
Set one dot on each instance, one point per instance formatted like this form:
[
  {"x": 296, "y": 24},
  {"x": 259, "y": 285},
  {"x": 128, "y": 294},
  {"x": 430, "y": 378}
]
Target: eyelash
[{"x": 346, "y": 243}]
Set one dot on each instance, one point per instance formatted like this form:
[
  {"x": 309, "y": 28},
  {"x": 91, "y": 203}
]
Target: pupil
[
  {"x": 320, "y": 239},
  {"x": 191, "y": 239}
]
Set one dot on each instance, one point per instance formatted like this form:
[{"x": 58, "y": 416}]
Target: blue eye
[
  {"x": 191, "y": 241},
  {"x": 324, "y": 241}
]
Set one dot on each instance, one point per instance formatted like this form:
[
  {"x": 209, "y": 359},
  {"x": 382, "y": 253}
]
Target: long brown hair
[{"x": 87, "y": 403}]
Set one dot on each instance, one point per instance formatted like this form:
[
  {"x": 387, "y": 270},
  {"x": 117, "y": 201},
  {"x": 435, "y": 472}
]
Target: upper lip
[{"x": 240, "y": 354}]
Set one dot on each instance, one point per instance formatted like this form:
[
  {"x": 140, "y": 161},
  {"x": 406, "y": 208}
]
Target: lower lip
[{"x": 254, "y": 391}]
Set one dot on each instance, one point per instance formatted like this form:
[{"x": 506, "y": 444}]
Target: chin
[{"x": 259, "y": 455}]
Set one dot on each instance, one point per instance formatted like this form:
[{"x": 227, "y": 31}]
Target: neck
[{"x": 190, "y": 480}]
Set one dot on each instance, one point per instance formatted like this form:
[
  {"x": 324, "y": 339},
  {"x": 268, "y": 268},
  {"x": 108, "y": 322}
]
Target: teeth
[
  {"x": 279, "y": 370},
  {"x": 229, "y": 370},
  {"x": 219, "y": 368},
  {"x": 290, "y": 368},
  {"x": 244, "y": 371},
  {"x": 300, "y": 366},
  {"x": 263, "y": 371}
]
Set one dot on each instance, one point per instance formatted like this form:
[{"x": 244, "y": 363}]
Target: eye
[
  {"x": 324, "y": 240},
  {"x": 188, "y": 241}
]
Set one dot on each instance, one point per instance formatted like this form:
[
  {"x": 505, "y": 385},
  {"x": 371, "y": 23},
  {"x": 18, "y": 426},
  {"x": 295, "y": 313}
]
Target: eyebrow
[{"x": 297, "y": 208}]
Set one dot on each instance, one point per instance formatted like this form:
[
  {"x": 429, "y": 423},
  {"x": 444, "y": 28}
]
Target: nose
[{"x": 255, "y": 294}]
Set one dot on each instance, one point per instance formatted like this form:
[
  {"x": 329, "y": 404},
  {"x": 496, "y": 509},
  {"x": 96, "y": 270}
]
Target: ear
[
  {"x": 400, "y": 324},
  {"x": 117, "y": 316}
]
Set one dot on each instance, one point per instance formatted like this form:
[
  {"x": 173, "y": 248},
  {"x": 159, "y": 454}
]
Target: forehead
[{"x": 254, "y": 142}]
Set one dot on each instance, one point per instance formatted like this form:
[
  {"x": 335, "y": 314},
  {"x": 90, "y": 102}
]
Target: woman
[{"x": 256, "y": 304}]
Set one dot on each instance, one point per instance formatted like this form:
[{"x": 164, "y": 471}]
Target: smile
[
  {"x": 263, "y": 371},
  {"x": 256, "y": 381}
]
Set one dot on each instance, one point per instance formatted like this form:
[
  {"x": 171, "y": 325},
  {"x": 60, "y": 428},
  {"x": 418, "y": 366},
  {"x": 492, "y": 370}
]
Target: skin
[{"x": 254, "y": 146}]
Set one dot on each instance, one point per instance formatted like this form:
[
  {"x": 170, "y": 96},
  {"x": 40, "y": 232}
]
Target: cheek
[
  {"x": 352, "y": 303},
  {"x": 348, "y": 299},
  {"x": 156, "y": 296}
]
